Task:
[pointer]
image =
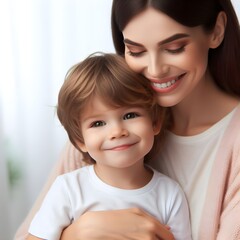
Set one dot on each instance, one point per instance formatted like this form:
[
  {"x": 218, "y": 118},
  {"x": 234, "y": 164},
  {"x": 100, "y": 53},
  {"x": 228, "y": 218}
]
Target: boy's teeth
[{"x": 164, "y": 85}]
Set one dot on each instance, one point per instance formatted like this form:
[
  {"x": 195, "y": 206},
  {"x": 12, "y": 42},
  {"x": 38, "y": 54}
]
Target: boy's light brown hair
[{"x": 108, "y": 77}]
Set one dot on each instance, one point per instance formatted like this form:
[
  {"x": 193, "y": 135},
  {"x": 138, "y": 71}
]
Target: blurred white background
[{"x": 40, "y": 40}]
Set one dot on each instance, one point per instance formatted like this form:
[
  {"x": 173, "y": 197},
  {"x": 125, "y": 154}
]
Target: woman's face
[{"x": 172, "y": 56}]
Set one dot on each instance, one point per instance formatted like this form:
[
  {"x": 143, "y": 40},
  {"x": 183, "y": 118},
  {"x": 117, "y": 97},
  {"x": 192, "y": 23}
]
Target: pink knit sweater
[{"x": 221, "y": 215}]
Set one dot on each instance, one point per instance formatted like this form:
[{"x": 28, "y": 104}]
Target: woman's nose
[{"x": 156, "y": 67}]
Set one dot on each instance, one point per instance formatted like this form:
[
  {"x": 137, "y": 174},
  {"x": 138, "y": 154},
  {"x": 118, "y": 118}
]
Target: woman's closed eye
[
  {"x": 175, "y": 50},
  {"x": 175, "y": 47},
  {"x": 169, "y": 50},
  {"x": 134, "y": 51},
  {"x": 135, "y": 54}
]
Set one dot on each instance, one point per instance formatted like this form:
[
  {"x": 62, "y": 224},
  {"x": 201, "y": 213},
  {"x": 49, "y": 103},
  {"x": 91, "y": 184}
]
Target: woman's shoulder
[
  {"x": 70, "y": 159},
  {"x": 233, "y": 128}
]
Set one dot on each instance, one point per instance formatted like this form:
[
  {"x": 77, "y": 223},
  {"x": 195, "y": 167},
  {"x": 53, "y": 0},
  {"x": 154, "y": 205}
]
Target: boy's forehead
[{"x": 96, "y": 106}]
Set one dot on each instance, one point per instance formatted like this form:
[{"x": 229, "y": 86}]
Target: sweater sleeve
[
  {"x": 221, "y": 213},
  {"x": 70, "y": 160},
  {"x": 229, "y": 227}
]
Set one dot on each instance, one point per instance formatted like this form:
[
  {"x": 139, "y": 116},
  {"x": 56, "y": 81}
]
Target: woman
[{"x": 189, "y": 50}]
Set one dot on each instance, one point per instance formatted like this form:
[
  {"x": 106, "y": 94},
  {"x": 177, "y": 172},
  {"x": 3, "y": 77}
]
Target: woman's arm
[
  {"x": 221, "y": 213},
  {"x": 70, "y": 160},
  {"x": 117, "y": 225},
  {"x": 229, "y": 224}
]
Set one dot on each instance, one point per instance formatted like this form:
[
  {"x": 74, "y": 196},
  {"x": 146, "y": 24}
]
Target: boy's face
[{"x": 116, "y": 137}]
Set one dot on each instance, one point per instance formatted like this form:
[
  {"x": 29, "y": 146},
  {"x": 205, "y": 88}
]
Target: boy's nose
[{"x": 118, "y": 132}]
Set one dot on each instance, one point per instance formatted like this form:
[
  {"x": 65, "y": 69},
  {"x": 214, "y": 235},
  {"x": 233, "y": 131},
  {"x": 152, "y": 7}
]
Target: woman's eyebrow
[
  {"x": 128, "y": 41},
  {"x": 173, "y": 38},
  {"x": 165, "y": 41}
]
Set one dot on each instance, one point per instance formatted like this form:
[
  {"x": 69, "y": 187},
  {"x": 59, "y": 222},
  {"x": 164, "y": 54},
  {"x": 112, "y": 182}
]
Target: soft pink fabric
[{"x": 221, "y": 215}]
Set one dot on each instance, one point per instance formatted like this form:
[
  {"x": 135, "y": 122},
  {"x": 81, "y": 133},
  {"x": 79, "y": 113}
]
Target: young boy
[{"x": 112, "y": 117}]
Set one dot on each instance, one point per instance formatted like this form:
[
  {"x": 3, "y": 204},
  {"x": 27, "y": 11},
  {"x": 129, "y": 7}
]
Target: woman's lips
[{"x": 167, "y": 85}]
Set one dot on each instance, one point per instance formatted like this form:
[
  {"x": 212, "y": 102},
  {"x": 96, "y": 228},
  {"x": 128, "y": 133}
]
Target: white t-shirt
[
  {"x": 189, "y": 161},
  {"x": 75, "y": 193}
]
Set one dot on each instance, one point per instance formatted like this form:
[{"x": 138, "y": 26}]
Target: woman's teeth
[{"x": 164, "y": 85}]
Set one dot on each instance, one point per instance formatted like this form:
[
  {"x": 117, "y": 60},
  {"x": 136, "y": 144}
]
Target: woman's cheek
[{"x": 135, "y": 64}]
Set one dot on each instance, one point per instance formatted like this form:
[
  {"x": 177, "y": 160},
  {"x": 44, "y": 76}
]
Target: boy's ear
[
  {"x": 82, "y": 146},
  {"x": 157, "y": 127},
  {"x": 219, "y": 30}
]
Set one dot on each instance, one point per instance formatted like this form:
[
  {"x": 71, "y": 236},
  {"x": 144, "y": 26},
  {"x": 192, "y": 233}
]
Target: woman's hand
[{"x": 117, "y": 225}]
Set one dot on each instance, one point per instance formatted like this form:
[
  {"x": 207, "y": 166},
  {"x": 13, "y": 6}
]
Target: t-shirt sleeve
[
  {"x": 179, "y": 219},
  {"x": 54, "y": 214},
  {"x": 70, "y": 159}
]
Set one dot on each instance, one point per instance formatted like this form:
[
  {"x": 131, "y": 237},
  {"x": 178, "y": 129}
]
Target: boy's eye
[
  {"x": 97, "y": 124},
  {"x": 130, "y": 115}
]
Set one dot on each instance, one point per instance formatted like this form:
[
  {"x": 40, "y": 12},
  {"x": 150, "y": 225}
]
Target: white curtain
[
  {"x": 236, "y": 4},
  {"x": 40, "y": 40},
  {"x": 4, "y": 218}
]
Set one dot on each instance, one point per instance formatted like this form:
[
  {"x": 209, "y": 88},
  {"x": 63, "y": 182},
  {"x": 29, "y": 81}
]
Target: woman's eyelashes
[
  {"x": 135, "y": 54},
  {"x": 176, "y": 50},
  {"x": 134, "y": 51},
  {"x": 169, "y": 49}
]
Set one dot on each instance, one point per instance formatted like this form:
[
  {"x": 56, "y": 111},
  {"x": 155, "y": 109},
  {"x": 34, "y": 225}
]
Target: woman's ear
[{"x": 218, "y": 33}]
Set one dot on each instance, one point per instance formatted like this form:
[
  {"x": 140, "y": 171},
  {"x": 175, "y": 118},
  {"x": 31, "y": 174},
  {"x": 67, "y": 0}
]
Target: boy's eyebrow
[
  {"x": 165, "y": 41},
  {"x": 89, "y": 118},
  {"x": 92, "y": 117}
]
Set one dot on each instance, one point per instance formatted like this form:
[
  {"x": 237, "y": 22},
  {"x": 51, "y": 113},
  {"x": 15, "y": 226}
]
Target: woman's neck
[{"x": 202, "y": 109}]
